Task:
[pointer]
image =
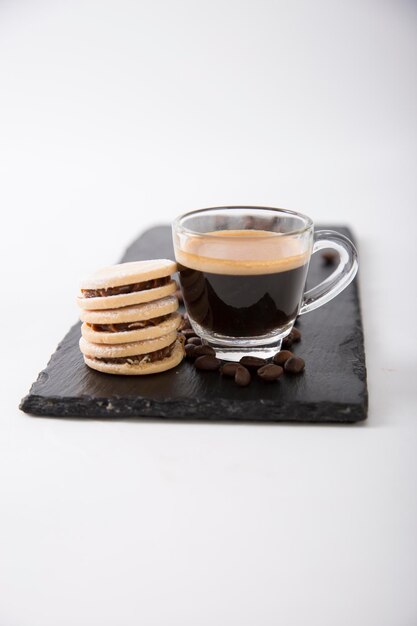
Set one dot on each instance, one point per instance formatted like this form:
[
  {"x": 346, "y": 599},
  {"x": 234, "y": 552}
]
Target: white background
[{"x": 115, "y": 116}]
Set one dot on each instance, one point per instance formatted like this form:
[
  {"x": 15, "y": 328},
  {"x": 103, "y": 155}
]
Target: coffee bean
[
  {"x": 294, "y": 365},
  {"x": 281, "y": 357},
  {"x": 229, "y": 369},
  {"x": 287, "y": 342},
  {"x": 196, "y": 341},
  {"x": 189, "y": 350},
  {"x": 295, "y": 335},
  {"x": 252, "y": 362},
  {"x": 188, "y": 332},
  {"x": 270, "y": 372},
  {"x": 204, "y": 350},
  {"x": 207, "y": 362},
  {"x": 330, "y": 257},
  {"x": 242, "y": 376}
]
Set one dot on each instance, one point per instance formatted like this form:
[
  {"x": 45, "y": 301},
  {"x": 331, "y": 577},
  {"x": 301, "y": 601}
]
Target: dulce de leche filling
[
  {"x": 124, "y": 289},
  {"x": 120, "y": 328},
  {"x": 138, "y": 359}
]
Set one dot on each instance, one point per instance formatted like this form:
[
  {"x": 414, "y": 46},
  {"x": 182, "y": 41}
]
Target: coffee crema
[
  {"x": 242, "y": 283},
  {"x": 243, "y": 252}
]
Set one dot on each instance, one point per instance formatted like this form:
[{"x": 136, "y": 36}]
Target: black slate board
[{"x": 332, "y": 389}]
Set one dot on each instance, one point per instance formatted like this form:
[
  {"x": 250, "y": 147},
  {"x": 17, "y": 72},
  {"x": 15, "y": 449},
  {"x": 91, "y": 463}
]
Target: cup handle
[{"x": 342, "y": 275}]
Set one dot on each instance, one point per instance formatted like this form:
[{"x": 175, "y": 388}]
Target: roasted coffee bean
[
  {"x": 204, "y": 350},
  {"x": 294, "y": 365},
  {"x": 330, "y": 257},
  {"x": 189, "y": 350},
  {"x": 188, "y": 332},
  {"x": 207, "y": 362},
  {"x": 287, "y": 342},
  {"x": 252, "y": 362},
  {"x": 229, "y": 369},
  {"x": 295, "y": 335},
  {"x": 194, "y": 340},
  {"x": 281, "y": 357},
  {"x": 270, "y": 372},
  {"x": 242, "y": 376}
]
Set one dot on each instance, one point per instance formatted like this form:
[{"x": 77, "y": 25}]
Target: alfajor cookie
[
  {"x": 135, "y": 358},
  {"x": 127, "y": 283},
  {"x": 131, "y": 323}
]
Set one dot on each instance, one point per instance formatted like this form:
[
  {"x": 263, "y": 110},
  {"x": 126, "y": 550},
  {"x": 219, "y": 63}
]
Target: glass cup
[{"x": 243, "y": 270}]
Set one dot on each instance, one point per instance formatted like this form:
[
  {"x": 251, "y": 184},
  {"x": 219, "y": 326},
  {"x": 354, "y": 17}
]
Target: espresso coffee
[{"x": 245, "y": 285}]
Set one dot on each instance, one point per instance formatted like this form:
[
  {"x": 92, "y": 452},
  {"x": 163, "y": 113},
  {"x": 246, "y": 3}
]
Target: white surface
[{"x": 118, "y": 115}]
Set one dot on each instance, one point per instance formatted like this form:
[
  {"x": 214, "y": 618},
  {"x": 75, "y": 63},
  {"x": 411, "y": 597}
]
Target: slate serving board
[{"x": 332, "y": 388}]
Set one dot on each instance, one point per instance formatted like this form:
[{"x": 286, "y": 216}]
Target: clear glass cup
[{"x": 243, "y": 270}]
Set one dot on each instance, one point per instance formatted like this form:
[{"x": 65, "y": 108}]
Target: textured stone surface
[{"x": 332, "y": 389}]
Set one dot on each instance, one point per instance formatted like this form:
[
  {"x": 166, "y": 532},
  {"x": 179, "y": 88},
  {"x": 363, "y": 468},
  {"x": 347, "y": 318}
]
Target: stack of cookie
[{"x": 130, "y": 318}]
